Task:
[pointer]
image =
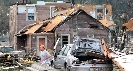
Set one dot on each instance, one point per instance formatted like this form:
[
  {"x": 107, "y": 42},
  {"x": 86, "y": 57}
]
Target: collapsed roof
[{"x": 52, "y": 23}]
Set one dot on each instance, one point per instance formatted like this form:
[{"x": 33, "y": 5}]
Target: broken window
[
  {"x": 65, "y": 39},
  {"x": 31, "y": 14},
  {"x": 99, "y": 14}
]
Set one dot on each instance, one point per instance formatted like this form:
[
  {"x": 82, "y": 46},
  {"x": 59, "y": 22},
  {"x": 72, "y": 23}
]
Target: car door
[
  {"x": 62, "y": 56},
  {"x": 57, "y": 61}
]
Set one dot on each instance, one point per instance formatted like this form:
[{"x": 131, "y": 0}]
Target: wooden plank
[{"x": 123, "y": 61}]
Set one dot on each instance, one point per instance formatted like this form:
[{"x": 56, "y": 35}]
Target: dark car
[
  {"x": 6, "y": 49},
  {"x": 5, "y": 54}
]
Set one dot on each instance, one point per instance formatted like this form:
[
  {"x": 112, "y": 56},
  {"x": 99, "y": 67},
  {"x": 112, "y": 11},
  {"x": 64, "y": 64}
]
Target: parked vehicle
[
  {"x": 8, "y": 55},
  {"x": 64, "y": 58},
  {"x": 83, "y": 53},
  {"x": 6, "y": 49}
]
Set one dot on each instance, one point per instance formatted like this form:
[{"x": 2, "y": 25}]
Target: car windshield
[
  {"x": 7, "y": 49},
  {"x": 62, "y": 50}
]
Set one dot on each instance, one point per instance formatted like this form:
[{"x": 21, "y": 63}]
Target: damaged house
[
  {"x": 75, "y": 22},
  {"x": 46, "y": 27},
  {"x": 25, "y": 14}
]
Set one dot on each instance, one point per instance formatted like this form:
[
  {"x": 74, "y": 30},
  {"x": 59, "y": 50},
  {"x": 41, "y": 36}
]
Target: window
[
  {"x": 52, "y": 10},
  {"x": 65, "y": 39},
  {"x": 30, "y": 14},
  {"x": 100, "y": 12}
]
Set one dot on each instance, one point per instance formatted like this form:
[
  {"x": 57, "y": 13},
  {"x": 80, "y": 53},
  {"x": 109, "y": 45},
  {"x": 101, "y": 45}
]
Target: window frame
[
  {"x": 68, "y": 39},
  {"x": 30, "y": 15},
  {"x": 27, "y": 14},
  {"x": 51, "y": 12},
  {"x": 104, "y": 11}
]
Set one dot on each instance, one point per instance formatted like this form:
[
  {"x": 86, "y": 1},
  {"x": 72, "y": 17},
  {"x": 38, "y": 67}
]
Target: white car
[{"x": 64, "y": 58}]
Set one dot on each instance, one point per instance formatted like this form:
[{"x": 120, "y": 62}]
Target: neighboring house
[
  {"x": 26, "y": 14},
  {"x": 75, "y": 22}
]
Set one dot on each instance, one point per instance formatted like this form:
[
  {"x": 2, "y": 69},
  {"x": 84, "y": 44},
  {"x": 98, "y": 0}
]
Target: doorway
[{"x": 41, "y": 40}]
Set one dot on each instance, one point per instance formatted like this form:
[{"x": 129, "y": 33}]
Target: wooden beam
[{"x": 108, "y": 52}]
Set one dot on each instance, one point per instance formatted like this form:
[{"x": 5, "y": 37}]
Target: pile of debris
[{"x": 36, "y": 66}]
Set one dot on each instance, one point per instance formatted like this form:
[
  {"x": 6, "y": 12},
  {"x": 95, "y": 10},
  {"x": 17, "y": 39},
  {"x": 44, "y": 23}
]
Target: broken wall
[{"x": 92, "y": 10}]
